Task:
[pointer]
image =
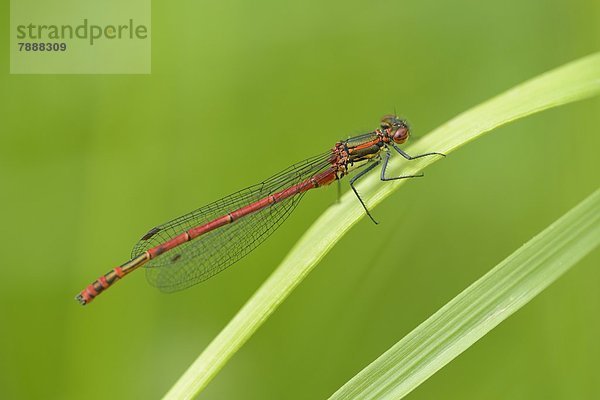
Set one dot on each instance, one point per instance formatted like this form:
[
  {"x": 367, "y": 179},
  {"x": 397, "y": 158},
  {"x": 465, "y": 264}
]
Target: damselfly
[{"x": 198, "y": 245}]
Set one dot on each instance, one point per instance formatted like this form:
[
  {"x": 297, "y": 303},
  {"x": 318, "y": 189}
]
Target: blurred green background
[{"x": 238, "y": 91}]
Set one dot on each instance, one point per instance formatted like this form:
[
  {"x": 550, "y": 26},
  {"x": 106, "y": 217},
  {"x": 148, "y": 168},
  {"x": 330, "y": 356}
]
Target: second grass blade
[{"x": 480, "y": 308}]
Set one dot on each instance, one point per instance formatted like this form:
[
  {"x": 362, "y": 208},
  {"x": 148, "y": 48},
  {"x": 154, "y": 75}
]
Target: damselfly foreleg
[
  {"x": 409, "y": 157},
  {"x": 384, "y": 168}
]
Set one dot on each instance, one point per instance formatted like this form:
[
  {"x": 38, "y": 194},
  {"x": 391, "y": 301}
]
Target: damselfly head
[{"x": 397, "y": 129}]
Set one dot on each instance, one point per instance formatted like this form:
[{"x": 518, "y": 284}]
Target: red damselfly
[{"x": 198, "y": 245}]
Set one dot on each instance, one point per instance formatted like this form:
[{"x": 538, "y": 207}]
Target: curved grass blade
[
  {"x": 574, "y": 81},
  {"x": 480, "y": 307}
]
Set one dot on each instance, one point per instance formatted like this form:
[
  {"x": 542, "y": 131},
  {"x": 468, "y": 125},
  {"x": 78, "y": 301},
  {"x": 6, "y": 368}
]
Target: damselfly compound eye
[{"x": 401, "y": 135}]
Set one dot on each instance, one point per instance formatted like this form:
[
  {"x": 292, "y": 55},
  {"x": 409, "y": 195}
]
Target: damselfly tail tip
[{"x": 81, "y": 299}]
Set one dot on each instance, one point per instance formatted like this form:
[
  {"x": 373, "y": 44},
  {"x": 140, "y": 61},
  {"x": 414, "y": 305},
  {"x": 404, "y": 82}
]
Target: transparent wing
[{"x": 205, "y": 256}]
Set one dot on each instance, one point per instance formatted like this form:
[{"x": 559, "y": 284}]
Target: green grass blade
[
  {"x": 481, "y": 307},
  {"x": 574, "y": 81}
]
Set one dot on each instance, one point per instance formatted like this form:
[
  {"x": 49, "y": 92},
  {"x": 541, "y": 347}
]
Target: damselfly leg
[
  {"x": 409, "y": 157},
  {"x": 384, "y": 168},
  {"x": 358, "y": 176}
]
